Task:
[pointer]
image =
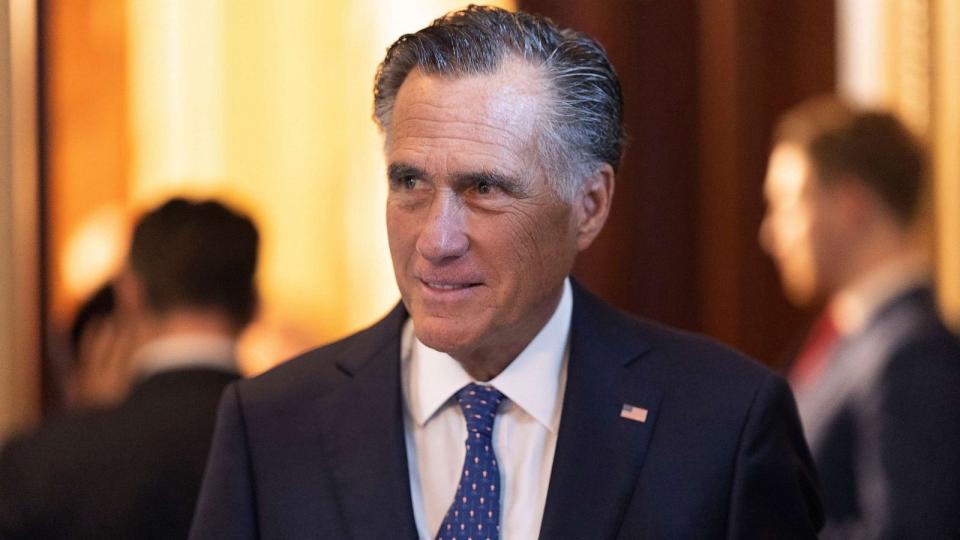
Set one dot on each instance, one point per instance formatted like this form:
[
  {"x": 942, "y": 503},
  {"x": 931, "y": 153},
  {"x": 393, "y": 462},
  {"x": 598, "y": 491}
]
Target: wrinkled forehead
[{"x": 509, "y": 103}]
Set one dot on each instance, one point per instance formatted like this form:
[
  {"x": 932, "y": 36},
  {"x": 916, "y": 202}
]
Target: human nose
[{"x": 444, "y": 235}]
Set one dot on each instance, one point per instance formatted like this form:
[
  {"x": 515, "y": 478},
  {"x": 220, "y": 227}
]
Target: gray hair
[{"x": 583, "y": 127}]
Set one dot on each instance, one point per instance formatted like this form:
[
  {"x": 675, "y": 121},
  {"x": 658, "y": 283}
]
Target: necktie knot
[{"x": 479, "y": 405}]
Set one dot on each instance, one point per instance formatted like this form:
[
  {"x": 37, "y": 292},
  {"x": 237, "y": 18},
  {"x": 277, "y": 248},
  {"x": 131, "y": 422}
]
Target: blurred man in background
[
  {"x": 878, "y": 379},
  {"x": 133, "y": 471}
]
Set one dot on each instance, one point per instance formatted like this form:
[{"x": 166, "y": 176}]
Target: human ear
[
  {"x": 853, "y": 202},
  {"x": 592, "y": 204}
]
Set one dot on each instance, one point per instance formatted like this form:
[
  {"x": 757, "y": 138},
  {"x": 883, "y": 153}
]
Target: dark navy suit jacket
[
  {"x": 315, "y": 448},
  {"x": 884, "y": 426},
  {"x": 133, "y": 471}
]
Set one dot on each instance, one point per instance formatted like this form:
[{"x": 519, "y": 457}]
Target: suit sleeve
[
  {"x": 226, "y": 507},
  {"x": 775, "y": 492},
  {"x": 918, "y": 437}
]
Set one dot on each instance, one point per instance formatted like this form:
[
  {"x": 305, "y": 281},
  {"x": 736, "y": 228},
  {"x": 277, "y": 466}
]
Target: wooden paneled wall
[{"x": 703, "y": 82}]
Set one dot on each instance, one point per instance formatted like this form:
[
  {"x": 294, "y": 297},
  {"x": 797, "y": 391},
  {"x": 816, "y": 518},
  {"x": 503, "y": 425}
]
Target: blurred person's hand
[{"x": 104, "y": 372}]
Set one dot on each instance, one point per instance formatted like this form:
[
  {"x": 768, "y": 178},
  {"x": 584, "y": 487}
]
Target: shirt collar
[
  {"x": 853, "y": 307},
  {"x": 185, "y": 351},
  {"x": 533, "y": 381}
]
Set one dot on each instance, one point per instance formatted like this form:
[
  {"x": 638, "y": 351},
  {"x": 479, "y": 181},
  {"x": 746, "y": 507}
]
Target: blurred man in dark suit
[
  {"x": 501, "y": 400},
  {"x": 878, "y": 380},
  {"x": 133, "y": 470}
]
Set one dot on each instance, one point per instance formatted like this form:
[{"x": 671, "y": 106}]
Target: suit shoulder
[
  {"x": 65, "y": 428},
  {"x": 688, "y": 366},
  {"x": 926, "y": 351},
  {"x": 57, "y": 445},
  {"x": 324, "y": 369},
  {"x": 678, "y": 358},
  {"x": 925, "y": 366},
  {"x": 690, "y": 355},
  {"x": 700, "y": 356}
]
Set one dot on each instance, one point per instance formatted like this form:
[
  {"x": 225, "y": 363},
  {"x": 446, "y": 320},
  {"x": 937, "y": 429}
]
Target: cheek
[
  {"x": 401, "y": 234},
  {"x": 822, "y": 229},
  {"x": 541, "y": 242},
  {"x": 825, "y": 244},
  {"x": 790, "y": 231}
]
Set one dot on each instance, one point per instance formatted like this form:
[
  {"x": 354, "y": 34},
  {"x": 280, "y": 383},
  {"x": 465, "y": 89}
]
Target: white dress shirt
[
  {"x": 524, "y": 434},
  {"x": 183, "y": 350}
]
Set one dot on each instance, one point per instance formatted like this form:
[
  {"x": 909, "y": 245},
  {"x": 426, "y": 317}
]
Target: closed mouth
[{"x": 446, "y": 286}]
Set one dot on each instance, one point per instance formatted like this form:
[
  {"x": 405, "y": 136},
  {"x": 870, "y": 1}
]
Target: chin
[
  {"x": 444, "y": 335},
  {"x": 801, "y": 296}
]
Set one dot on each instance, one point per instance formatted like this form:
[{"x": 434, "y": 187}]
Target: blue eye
[{"x": 409, "y": 182}]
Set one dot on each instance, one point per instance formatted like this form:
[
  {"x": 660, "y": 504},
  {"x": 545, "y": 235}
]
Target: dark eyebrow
[
  {"x": 397, "y": 171},
  {"x": 509, "y": 184}
]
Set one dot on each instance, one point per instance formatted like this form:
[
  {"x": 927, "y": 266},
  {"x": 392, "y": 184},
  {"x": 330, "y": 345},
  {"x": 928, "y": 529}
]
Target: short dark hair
[
  {"x": 873, "y": 146},
  {"x": 197, "y": 255},
  {"x": 584, "y": 124}
]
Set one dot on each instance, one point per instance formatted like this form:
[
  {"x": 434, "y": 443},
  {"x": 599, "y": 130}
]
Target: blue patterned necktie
[{"x": 475, "y": 512}]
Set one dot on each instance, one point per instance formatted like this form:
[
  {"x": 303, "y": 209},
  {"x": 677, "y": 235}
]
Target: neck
[
  {"x": 875, "y": 249},
  {"x": 485, "y": 363},
  {"x": 484, "y": 370},
  {"x": 186, "y": 321}
]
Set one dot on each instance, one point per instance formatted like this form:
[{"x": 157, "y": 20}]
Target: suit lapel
[
  {"x": 599, "y": 454},
  {"x": 364, "y": 437}
]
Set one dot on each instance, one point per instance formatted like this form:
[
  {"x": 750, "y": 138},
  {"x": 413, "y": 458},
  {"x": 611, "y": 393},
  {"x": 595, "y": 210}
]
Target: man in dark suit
[
  {"x": 133, "y": 470},
  {"x": 501, "y": 400},
  {"x": 877, "y": 380}
]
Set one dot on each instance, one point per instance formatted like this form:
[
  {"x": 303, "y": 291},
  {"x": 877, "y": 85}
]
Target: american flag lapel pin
[{"x": 632, "y": 412}]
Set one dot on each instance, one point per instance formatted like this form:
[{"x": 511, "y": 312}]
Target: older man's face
[{"x": 479, "y": 239}]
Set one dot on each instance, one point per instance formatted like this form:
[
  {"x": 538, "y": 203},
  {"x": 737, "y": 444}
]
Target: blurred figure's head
[
  {"x": 192, "y": 261},
  {"x": 842, "y": 191}
]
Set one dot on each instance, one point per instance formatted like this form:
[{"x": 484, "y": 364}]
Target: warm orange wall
[
  {"x": 946, "y": 147},
  {"x": 264, "y": 104},
  {"x": 86, "y": 133}
]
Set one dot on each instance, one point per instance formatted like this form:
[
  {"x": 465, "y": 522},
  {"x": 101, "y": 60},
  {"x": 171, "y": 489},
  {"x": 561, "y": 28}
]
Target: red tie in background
[{"x": 812, "y": 359}]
